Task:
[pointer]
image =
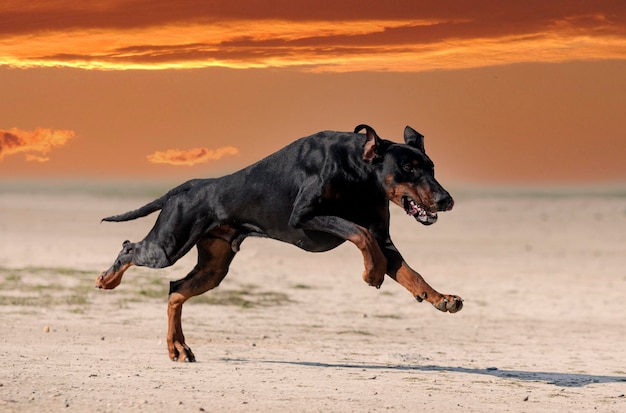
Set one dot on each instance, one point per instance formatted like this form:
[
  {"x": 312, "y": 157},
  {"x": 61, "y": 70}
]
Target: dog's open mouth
[{"x": 417, "y": 211}]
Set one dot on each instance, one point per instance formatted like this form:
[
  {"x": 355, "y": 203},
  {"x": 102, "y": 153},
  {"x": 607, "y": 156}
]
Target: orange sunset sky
[{"x": 527, "y": 92}]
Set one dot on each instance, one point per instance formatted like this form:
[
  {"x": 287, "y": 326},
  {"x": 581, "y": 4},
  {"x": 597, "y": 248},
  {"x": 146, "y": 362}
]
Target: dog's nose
[
  {"x": 450, "y": 204},
  {"x": 445, "y": 202}
]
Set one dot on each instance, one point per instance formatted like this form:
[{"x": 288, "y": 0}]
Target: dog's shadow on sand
[{"x": 554, "y": 378}]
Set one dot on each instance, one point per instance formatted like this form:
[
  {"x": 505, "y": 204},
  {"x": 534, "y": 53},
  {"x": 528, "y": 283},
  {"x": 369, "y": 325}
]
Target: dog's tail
[
  {"x": 147, "y": 209},
  {"x": 153, "y": 206}
]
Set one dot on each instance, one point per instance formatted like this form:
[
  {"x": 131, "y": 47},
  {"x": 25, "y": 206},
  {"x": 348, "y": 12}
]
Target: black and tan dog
[{"x": 315, "y": 193}]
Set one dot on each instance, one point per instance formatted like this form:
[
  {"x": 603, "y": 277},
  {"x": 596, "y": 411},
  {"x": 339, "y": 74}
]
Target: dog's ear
[
  {"x": 414, "y": 138},
  {"x": 373, "y": 146}
]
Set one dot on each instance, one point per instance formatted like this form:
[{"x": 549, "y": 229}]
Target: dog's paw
[
  {"x": 112, "y": 277},
  {"x": 449, "y": 303},
  {"x": 373, "y": 279},
  {"x": 179, "y": 351}
]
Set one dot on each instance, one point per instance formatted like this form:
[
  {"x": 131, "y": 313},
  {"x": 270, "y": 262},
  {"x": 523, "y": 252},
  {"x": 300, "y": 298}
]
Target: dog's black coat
[
  {"x": 310, "y": 194},
  {"x": 315, "y": 193}
]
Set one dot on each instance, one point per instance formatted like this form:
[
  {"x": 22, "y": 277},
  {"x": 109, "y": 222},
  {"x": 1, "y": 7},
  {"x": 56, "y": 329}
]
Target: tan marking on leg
[
  {"x": 374, "y": 260},
  {"x": 214, "y": 257},
  {"x": 110, "y": 279},
  {"x": 421, "y": 290}
]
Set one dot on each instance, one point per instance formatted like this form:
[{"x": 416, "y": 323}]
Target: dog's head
[{"x": 407, "y": 174}]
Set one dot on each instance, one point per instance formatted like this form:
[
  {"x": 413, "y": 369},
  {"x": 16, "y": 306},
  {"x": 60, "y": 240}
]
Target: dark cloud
[
  {"x": 8, "y": 142},
  {"x": 191, "y": 33},
  {"x": 495, "y": 16}
]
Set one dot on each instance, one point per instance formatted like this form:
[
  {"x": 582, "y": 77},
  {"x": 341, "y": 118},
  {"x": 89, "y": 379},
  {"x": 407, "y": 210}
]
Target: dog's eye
[{"x": 408, "y": 168}]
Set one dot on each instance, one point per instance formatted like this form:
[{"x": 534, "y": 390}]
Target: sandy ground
[{"x": 543, "y": 328}]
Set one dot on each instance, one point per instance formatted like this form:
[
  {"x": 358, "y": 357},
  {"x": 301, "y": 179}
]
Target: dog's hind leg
[
  {"x": 144, "y": 253},
  {"x": 112, "y": 277},
  {"x": 177, "y": 229},
  {"x": 214, "y": 258}
]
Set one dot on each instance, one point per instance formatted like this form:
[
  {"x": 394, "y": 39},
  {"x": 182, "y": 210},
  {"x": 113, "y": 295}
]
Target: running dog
[{"x": 315, "y": 193}]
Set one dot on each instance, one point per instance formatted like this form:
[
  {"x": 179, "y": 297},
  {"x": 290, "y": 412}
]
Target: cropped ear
[
  {"x": 414, "y": 138},
  {"x": 373, "y": 147}
]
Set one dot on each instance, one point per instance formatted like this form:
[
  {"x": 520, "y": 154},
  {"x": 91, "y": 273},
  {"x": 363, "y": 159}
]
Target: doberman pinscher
[{"x": 315, "y": 193}]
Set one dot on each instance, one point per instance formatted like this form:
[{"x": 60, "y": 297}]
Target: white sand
[{"x": 543, "y": 327}]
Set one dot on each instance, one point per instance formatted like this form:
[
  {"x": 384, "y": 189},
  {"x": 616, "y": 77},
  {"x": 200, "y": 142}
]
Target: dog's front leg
[
  {"x": 374, "y": 260},
  {"x": 303, "y": 216},
  {"x": 410, "y": 279},
  {"x": 421, "y": 290}
]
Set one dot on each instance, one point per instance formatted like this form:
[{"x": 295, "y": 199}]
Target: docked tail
[{"x": 153, "y": 206}]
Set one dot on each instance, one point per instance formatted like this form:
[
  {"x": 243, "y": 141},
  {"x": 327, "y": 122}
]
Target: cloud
[
  {"x": 34, "y": 144},
  {"x": 191, "y": 157},
  {"x": 322, "y": 35}
]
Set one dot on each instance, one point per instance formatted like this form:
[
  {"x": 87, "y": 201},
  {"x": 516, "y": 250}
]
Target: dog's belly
[
  {"x": 312, "y": 241},
  {"x": 316, "y": 241}
]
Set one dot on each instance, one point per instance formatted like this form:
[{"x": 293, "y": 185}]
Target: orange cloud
[
  {"x": 191, "y": 157},
  {"x": 34, "y": 144},
  {"x": 384, "y": 36}
]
